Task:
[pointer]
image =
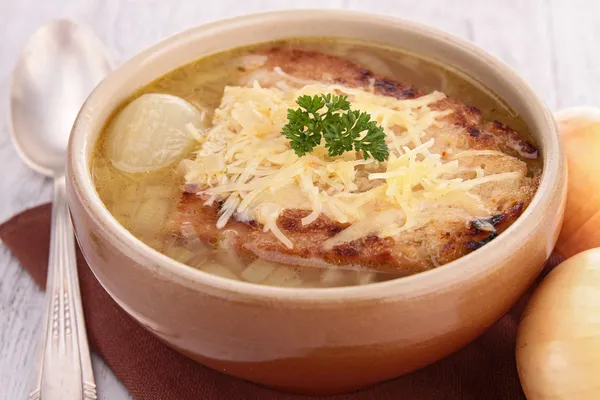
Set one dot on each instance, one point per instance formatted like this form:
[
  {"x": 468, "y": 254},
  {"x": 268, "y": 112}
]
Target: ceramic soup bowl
[{"x": 315, "y": 340}]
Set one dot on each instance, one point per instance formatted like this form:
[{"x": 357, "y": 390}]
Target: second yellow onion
[
  {"x": 558, "y": 345},
  {"x": 580, "y": 131}
]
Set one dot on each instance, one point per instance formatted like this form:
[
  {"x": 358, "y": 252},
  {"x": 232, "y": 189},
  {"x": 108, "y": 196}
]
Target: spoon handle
[{"x": 66, "y": 365}]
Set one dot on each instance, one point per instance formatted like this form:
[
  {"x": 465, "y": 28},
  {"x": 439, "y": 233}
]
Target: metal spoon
[{"x": 56, "y": 71}]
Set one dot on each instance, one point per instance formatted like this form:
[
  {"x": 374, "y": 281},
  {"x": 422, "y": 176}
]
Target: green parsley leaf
[{"x": 342, "y": 128}]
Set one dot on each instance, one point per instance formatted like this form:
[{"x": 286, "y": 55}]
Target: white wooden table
[{"x": 552, "y": 43}]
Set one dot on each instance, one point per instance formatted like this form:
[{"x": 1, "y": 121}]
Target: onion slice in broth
[{"x": 151, "y": 132}]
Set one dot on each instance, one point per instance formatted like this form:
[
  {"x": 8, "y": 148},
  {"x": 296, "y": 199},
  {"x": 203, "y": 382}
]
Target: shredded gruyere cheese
[{"x": 245, "y": 161}]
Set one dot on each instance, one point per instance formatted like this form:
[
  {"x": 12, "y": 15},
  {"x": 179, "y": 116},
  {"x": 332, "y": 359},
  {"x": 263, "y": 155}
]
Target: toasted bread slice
[{"x": 416, "y": 250}]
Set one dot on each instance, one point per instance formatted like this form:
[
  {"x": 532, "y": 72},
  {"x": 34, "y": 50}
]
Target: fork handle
[{"x": 66, "y": 366}]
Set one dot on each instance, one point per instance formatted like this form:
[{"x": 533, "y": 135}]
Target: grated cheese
[{"x": 245, "y": 161}]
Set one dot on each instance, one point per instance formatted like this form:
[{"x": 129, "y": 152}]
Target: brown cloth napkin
[{"x": 485, "y": 369}]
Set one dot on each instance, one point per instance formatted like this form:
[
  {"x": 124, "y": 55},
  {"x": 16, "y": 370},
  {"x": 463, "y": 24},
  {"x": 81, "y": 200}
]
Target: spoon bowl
[{"x": 59, "y": 66}]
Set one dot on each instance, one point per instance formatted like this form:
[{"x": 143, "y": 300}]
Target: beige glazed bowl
[{"x": 315, "y": 340}]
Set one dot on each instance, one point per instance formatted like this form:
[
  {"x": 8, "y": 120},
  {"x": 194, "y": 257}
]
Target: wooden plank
[{"x": 574, "y": 32}]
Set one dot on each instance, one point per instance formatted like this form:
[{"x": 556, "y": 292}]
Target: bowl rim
[{"x": 469, "y": 265}]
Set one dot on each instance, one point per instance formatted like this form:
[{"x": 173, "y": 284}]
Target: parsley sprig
[{"x": 341, "y": 127}]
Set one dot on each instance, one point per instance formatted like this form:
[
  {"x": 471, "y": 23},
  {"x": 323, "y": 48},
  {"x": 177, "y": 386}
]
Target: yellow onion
[
  {"x": 580, "y": 131},
  {"x": 558, "y": 343}
]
